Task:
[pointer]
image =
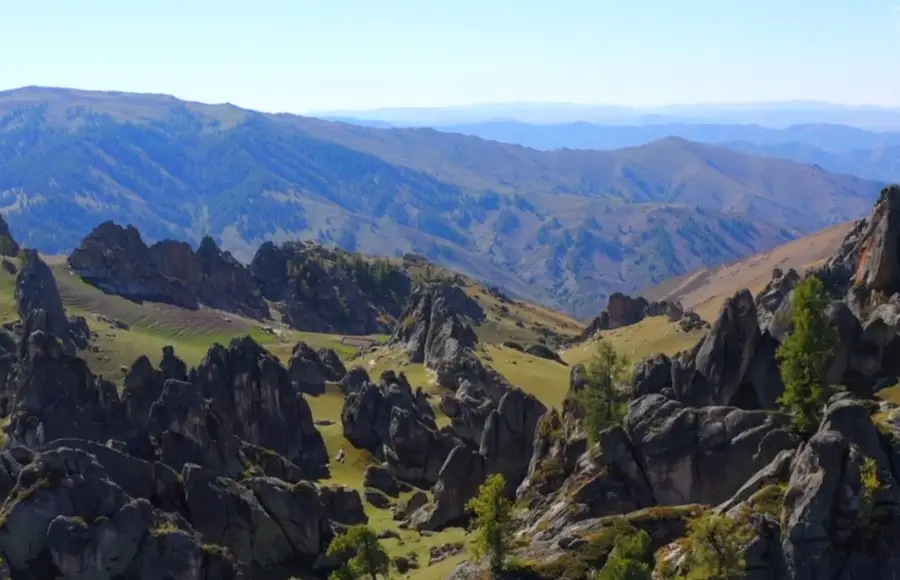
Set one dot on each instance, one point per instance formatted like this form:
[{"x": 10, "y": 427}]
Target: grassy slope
[{"x": 705, "y": 290}]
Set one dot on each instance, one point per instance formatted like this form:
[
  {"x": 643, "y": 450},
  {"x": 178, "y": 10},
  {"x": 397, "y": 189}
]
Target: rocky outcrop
[
  {"x": 325, "y": 290},
  {"x": 666, "y": 454},
  {"x": 398, "y": 426},
  {"x": 69, "y": 518},
  {"x": 257, "y": 397},
  {"x": 8, "y": 244},
  {"x": 869, "y": 255},
  {"x": 189, "y": 428},
  {"x": 54, "y": 395},
  {"x": 332, "y": 365},
  {"x": 384, "y": 481},
  {"x": 734, "y": 364},
  {"x": 144, "y": 384},
  {"x": 343, "y": 505},
  {"x": 263, "y": 521},
  {"x": 116, "y": 260},
  {"x": 432, "y": 329},
  {"x": 36, "y": 290},
  {"x": 225, "y": 284},
  {"x": 539, "y": 350},
  {"x": 622, "y": 310},
  {"x": 829, "y": 510},
  {"x": 506, "y": 447},
  {"x": 311, "y": 369}
]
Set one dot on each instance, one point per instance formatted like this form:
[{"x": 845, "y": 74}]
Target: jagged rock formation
[
  {"x": 432, "y": 328},
  {"x": 54, "y": 395},
  {"x": 397, "y": 426},
  {"x": 69, "y": 518},
  {"x": 496, "y": 435},
  {"x": 734, "y": 364},
  {"x": 116, "y": 260},
  {"x": 824, "y": 522},
  {"x": 8, "y": 244},
  {"x": 665, "y": 454},
  {"x": 622, "y": 310},
  {"x": 255, "y": 391},
  {"x": 310, "y": 369},
  {"x": 91, "y": 480},
  {"x": 36, "y": 290},
  {"x": 330, "y": 290}
]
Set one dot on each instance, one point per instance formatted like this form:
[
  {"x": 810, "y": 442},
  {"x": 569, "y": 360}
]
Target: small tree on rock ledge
[{"x": 806, "y": 354}]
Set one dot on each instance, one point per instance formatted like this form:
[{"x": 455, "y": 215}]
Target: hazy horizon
[{"x": 351, "y": 55}]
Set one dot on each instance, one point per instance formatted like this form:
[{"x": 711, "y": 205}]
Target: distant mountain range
[
  {"x": 561, "y": 227},
  {"x": 772, "y": 114},
  {"x": 836, "y": 148}
]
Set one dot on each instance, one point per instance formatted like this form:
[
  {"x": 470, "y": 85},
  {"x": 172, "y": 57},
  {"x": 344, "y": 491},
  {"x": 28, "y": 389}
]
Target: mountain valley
[{"x": 540, "y": 225}]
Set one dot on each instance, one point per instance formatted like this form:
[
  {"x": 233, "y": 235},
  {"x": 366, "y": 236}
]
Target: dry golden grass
[
  {"x": 705, "y": 291},
  {"x": 516, "y": 320},
  {"x": 650, "y": 336}
]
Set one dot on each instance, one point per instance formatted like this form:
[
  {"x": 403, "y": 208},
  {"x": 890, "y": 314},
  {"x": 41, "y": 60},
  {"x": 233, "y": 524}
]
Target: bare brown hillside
[{"x": 705, "y": 290}]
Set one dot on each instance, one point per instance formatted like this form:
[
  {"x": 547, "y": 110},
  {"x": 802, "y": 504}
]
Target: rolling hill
[
  {"x": 563, "y": 227},
  {"x": 705, "y": 290},
  {"x": 836, "y": 148}
]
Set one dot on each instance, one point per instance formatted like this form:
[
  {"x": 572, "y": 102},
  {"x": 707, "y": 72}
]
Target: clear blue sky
[{"x": 308, "y": 55}]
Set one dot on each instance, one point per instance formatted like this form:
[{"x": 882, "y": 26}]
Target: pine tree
[
  {"x": 806, "y": 354},
  {"x": 629, "y": 559},
  {"x": 600, "y": 399},
  {"x": 715, "y": 549},
  {"x": 361, "y": 552},
  {"x": 493, "y": 521}
]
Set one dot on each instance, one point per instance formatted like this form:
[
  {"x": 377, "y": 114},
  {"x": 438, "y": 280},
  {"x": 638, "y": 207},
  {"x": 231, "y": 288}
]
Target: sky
[{"x": 304, "y": 56}]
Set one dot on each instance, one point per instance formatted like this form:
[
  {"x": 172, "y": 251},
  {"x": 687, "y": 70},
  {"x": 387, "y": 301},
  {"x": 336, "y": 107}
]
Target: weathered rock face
[
  {"x": 652, "y": 376},
  {"x": 666, "y": 454},
  {"x": 331, "y": 363},
  {"x": 343, "y": 505},
  {"x": 54, "y": 394},
  {"x": 310, "y": 369},
  {"x": 116, "y": 260},
  {"x": 507, "y": 443},
  {"x": 257, "y": 397},
  {"x": 506, "y": 446},
  {"x": 190, "y": 429},
  {"x": 144, "y": 384},
  {"x": 702, "y": 455},
  {"x": 432, "y": 328},
  {"x": 827, "y": 524},
  {"x": 397, "y": 426},
  {"x": 69, "y": 516},
  {"x": 871, "y": 252},
  {"x": 264, "y": 521},
  {"x": 558, "y": 444},
  {"x": 225, "y": 284},
  {"x": 8, "y": 244},
  {"x": 326, "y": 290},
  {"x": 622, "y": 310},
  {"x": 734, "y": 364},
  {"x": 773, "y": 304},
  {"x": 36, "y": 290}
]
